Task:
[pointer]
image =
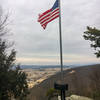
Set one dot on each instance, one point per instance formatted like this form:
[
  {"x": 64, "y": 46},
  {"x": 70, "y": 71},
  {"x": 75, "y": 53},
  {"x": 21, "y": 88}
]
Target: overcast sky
[{"x": 37, "y": 46}]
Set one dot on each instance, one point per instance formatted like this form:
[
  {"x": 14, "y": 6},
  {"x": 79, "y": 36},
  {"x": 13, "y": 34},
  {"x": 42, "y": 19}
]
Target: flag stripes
[
  {"x": 47, "y": 18},
  {"x": 45, "y": 14}
]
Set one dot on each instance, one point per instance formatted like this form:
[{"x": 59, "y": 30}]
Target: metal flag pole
[
  {"x": 61, "y": 52},
  {"x": 60, "y": 36},
  {"x": 62, "y": 87}
]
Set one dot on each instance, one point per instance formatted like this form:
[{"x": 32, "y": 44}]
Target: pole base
[{"x": 62, "y": 87}]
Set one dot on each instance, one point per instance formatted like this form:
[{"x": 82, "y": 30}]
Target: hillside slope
[{"x": 78, "y": 80}]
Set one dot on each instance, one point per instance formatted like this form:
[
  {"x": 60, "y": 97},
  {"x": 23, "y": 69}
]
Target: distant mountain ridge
[
  {"x": 42, "y": 66},
  {"x": 50, "y": 66}
]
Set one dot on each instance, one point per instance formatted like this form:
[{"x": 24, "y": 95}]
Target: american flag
[{"x": 49, "y": 15}]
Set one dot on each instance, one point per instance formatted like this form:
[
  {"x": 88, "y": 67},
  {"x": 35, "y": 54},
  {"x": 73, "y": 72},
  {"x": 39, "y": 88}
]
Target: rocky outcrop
[{"x": 76, "y": 97}]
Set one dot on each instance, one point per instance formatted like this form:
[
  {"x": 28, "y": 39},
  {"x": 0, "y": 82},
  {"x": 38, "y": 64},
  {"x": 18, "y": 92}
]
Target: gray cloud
[{"x": 30, "y": 38}]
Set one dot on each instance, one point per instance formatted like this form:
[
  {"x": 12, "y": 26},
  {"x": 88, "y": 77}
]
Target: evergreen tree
[
  {"x": 13, "y": 82},
  {"x": 93, "y": 35}
]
